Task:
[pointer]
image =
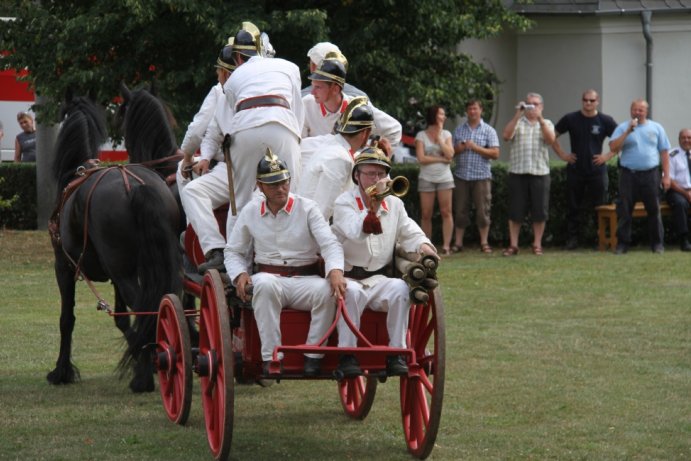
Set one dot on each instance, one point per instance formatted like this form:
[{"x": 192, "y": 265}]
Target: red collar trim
[
  {"x": 361, "y": 204},
  {"x": 325, "y": 112},
  {"x": 263, "y": 209}
]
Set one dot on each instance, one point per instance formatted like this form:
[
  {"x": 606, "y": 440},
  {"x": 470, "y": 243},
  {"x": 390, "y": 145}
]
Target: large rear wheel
[
  {"x": 215, "y": 365},
  {"x": 357, "y": 395},
  {"x": 174, "y": 359},
  {"x": 422, "y": 390}
]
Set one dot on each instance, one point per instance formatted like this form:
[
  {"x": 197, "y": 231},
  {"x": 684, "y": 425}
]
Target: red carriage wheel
[
  {"x": 357, "y": 395},
  {"x": 215, "y": 362},
  {"x": 174, "y": 359},
  {"x": 422, "y": 390}
]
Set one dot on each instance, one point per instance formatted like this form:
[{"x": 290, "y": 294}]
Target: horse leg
[{"x": 65, "y": 372}]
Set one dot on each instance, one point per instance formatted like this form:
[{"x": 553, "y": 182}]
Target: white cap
[{"x": 320, "y": 50}]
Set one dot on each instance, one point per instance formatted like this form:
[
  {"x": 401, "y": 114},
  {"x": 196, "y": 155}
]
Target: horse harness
[
  {"x": 162, "y": 163},
  {"x": 83, "y": 173}
]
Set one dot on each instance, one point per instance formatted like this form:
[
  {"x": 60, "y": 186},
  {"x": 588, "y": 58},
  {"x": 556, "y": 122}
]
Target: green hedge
[
  {"x": 18, "y": 196},
  {"x": 18, "y": 204}
]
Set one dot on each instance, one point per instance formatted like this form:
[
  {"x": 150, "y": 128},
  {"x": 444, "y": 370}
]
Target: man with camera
[{"x": 530, "y": 135}]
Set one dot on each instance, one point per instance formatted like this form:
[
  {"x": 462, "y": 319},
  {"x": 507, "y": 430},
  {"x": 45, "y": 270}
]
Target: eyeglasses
[
  {"x": 589, "y": 100},
  {"x": 374, "y": 174}
]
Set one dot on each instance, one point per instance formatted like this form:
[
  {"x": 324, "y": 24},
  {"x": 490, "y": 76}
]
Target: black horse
[{"x": 117, "y": 223}]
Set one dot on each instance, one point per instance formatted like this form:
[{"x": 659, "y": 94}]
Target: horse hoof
[{"x": 139, "y": 386}]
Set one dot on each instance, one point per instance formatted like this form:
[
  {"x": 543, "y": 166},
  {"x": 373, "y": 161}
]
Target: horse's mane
[
  {"x": 147, "y": 126},
  {"x": 82, "y": 133}
]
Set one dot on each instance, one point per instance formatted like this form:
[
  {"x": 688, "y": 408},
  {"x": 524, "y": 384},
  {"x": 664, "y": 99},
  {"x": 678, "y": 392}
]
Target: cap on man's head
[
  {"x": 271, "y": 169},
  {"x": 356, "y": 117},
  {"x": 225, "y": 59},
  {"x": 370, "y": 155},
  {"x": 331, "y": 70},
  {"x": 319, "y": 51},
  {"x": 247, "y": 41}
]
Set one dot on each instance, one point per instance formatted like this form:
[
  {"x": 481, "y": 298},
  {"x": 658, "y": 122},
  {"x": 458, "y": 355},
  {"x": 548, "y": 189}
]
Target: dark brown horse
[{"x": 118, "y": 224}]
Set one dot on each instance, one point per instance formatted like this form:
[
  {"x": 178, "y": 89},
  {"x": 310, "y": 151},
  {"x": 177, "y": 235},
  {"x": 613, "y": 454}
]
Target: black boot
[{"x": 214, "y": 260}]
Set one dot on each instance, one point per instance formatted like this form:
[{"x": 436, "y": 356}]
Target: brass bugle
[{"x": 397, "y": 186}]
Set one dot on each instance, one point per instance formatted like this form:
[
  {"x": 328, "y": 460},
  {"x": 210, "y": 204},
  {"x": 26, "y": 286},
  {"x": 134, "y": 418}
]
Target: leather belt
[
  {"x": 262, "y": 101},
  {"x": 290, "y": 271},
  {"x": 359, "y": 273}
]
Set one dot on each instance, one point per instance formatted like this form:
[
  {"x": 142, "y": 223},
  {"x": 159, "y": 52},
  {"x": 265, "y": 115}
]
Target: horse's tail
[{"x": 159, "y": 263}]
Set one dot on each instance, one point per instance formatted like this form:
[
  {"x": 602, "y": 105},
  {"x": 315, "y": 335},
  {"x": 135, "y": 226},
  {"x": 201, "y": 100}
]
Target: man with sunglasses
[{"x": 586, "y": 172}]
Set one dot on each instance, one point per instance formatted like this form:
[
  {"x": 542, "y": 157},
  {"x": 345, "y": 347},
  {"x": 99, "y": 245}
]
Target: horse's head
[
  {"x": 82, "y": 132},
  {"x": 147, "y": 125}
]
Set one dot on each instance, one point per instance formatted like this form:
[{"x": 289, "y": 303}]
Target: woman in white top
[{"x": 434, "y": 152}]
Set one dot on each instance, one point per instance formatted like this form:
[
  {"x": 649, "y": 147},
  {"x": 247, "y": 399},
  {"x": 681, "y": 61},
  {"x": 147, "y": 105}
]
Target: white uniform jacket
[
  {"x": 262, "y": 77},
  {"x": 374, "y": 251},
  {"x": 327, "y": 163},
  {"x": 218, "y": 127},
  {"x": 318, "y": 120},
  {"x": 200, "y": 122},
  {"x": 292, "y": 237}
]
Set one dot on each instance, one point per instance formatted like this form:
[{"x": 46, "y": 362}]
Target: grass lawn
[{"x": 569, "y": 356}]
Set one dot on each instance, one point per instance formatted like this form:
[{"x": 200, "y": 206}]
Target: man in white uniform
[
  {"x": 316, "y": 55},
  {"x": 328, "y": 159},
  {"x": 368, "y": 257},
  {"x": 263, "y": 96},
  {"x": 210, "y": 190},
  {"x": 327, "y": 102},
  {"x": 287, "y": 233}
]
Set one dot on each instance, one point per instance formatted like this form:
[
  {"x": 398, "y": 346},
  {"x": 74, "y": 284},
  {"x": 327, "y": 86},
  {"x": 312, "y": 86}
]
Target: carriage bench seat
[{"x": 607, "y": 222}]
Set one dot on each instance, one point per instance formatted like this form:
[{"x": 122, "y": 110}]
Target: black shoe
[
  {"x": 571, "y": 244},
  {"x": 348, "y": 366},
  {"x": 214, "y": 260},
  {"x": 266, "y": 372},
  {"x": 396, "y": 366},
  {"x": 621, "y": 249},
  {"x": 312, "y": 366},
  {"x": 685, "y": 245}
]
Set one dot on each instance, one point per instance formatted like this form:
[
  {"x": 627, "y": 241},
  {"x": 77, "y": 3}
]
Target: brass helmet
[
  {"x": 332, "y": 69},
  {"x": 271, "y": 169},
  {"x": 370, "y": 155},
  {"x": 225, "y": 59},
  {"x": 247, "y": 41},
  {"x": 358, "y": 116}
]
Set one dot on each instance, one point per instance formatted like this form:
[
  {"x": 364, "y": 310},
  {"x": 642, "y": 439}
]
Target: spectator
[
  {"x": 434, "y": 152},
  {"x": 475, "y": 145},
  {"x": 368, "y": 256},
  {"x": 530, "y": 135},
  {"x": 25, "y": 143},
  {"x": 586, "y": 171},
  {"x": 679, "y": 193},
  {"x": 644, "y": 145},
  {"x": 287, "y": 233}
]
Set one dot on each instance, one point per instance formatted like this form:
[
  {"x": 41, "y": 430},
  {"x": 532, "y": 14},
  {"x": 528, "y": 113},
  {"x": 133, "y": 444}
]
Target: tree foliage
[{"x": 400, "y": 51}]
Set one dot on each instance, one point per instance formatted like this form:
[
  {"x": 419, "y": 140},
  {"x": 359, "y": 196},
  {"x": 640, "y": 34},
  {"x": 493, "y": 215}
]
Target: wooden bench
[{"x": 607, "y": 222}]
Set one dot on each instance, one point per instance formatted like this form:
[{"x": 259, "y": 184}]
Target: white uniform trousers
[
  {"x": 383, "y": 295},
  {"x": 273, "y": 292},
  {"x": 249, "y": 147},
  {"x": 199, "y": 198}
]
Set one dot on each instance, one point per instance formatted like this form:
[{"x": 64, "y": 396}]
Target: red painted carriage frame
[{"x": 229, "y": 353}]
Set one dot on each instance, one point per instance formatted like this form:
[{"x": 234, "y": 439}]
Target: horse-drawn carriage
[
  {"x": 229, "y": 348},
  {"x": 229, "y": 354}
]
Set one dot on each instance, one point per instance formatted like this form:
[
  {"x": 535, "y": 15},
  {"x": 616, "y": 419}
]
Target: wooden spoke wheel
[
  {"x": 422, "y": 390},
  {"x": 174, "y": 359},
  {"x": 215, "y": 365},
  {"x": 357, "y": 395}
]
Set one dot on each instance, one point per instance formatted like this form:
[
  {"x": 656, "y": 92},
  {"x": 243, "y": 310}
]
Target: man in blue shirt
[
  {"x": 679, "y": 194},
  {"x": 644, "y": 145}
]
